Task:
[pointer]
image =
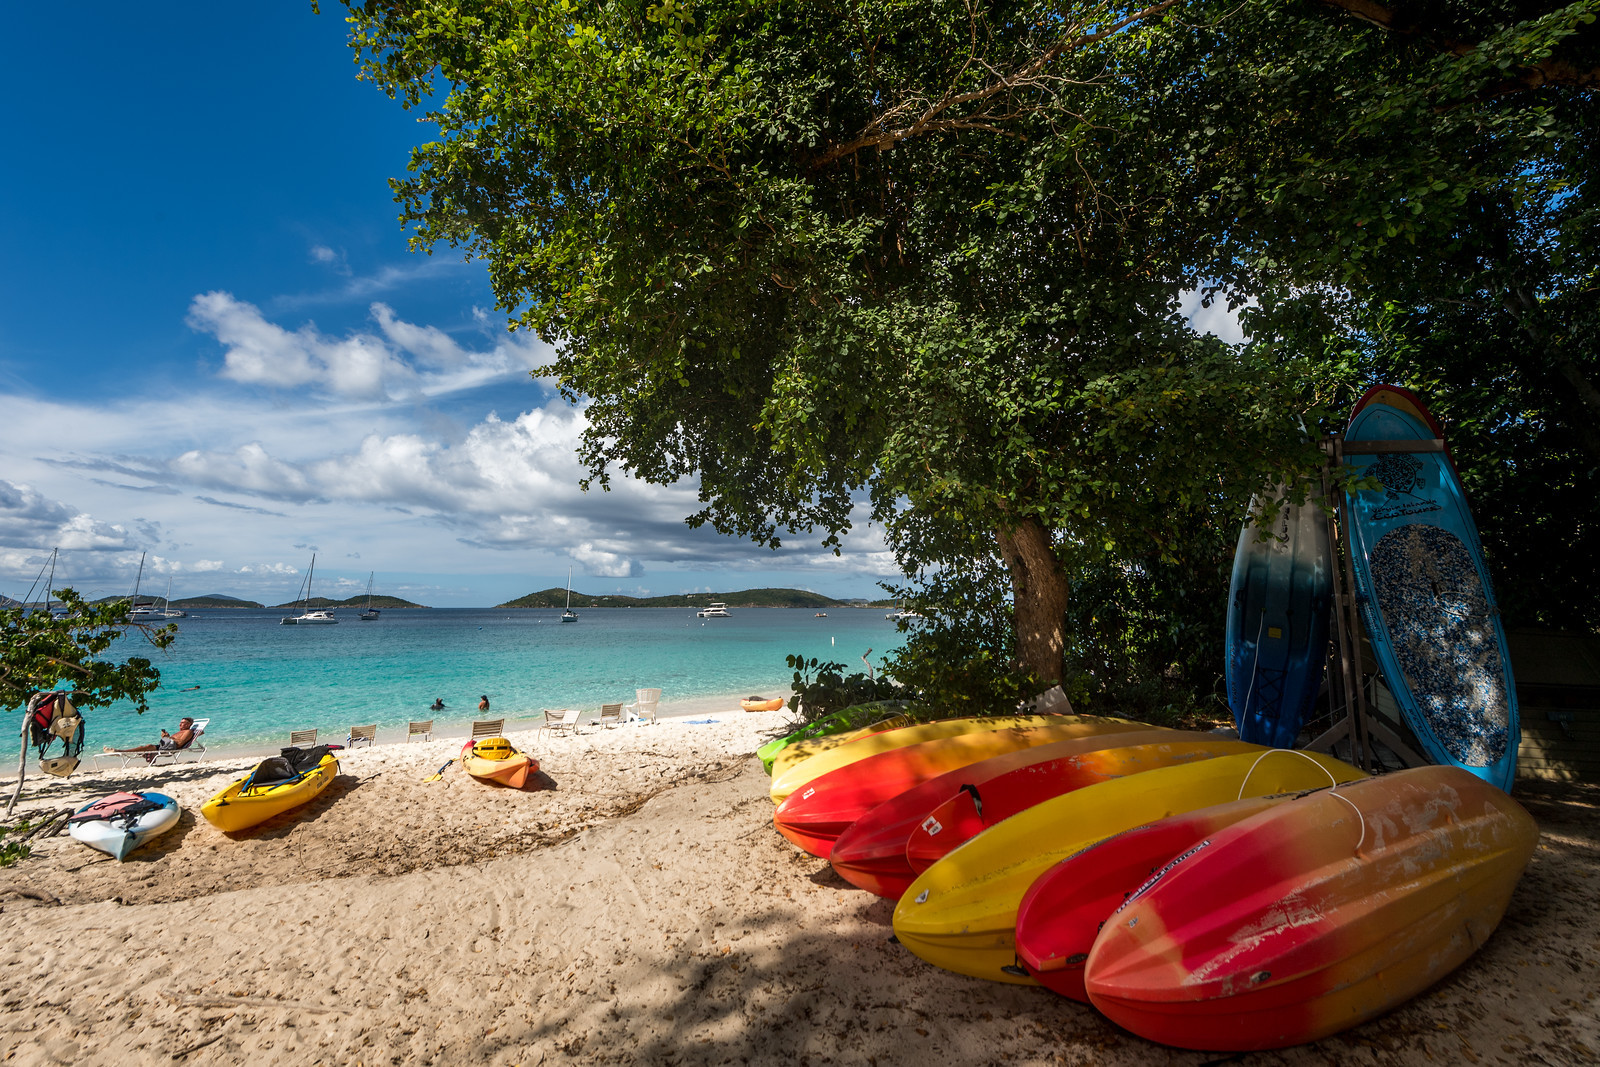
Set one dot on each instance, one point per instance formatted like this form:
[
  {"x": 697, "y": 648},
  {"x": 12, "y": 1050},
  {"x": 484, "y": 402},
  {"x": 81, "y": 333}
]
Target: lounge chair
[
  {"x": 488, "y": 728},
  {"x": 423, "y": 729},
  {"x": 558, "y": 720},
  {"x": 195, "y": 749},
  {"x": 644, "y": 703},
  {"x": 610, "y": 715},
  {"x": 369, "y": 734},
  {"x": 302, "y": 738}
]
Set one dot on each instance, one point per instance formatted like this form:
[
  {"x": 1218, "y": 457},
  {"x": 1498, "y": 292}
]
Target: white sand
[{"x": 642, "y": 912}]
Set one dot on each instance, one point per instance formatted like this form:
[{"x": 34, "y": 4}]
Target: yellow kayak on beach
[
  {"x": 792, "y": 775},
  {"x": 809, "y": 745},
  {"x": 275, "y": 786},
  {"x": 961, "y": 913}
]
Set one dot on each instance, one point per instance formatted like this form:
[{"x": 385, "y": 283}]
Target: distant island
[
  {"x": 217, "y": 601},
  {"x": 384, "y": 602},
  {"x": 749, "y": 598}
]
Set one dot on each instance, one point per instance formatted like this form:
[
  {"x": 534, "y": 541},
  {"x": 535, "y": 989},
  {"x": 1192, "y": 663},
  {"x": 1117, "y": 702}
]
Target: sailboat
[
  {"x": 166, "y": 611},
  {"x": 569, "y": 615},
  {"x": 309, "y": 616},
  {"x": 370, "y": 613},
  {"x": 140, "y": 612}
]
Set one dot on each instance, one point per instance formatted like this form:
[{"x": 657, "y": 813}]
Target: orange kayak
[
  {"x": 814, "y": 817},
  {"x": 1314, "y": 916},
  {"x": 971, "y": 811},
  {"x": 1064, "y": 910},
  {"x": 792, "y": 770},
  {"x": 493, "y": 759},
  {"x": 871, "y": 853}
]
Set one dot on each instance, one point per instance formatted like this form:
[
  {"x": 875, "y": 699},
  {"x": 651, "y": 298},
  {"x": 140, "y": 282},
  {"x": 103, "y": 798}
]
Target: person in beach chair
[{"x": 169, "y": 742}]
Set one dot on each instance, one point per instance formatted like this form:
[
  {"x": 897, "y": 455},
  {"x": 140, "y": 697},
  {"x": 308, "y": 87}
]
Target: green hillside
[
  {"x": 748, "y": 598},
  {"x": 214, "y": 601},
  {"x": 382, "y": 602}
]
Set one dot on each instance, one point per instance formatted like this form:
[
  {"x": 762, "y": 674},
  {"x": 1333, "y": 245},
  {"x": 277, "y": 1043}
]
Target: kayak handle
[{"x": 1288, "y": 752}]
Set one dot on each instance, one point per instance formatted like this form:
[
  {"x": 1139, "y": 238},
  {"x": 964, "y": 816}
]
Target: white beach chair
[
  {"x": 369, "y": 734},
  {"x": 195, "y": 749},
  {"x": 644, "y": 704},
  {"x": 302, "y": 738},
  {"x": 610, "y": 715},
  {"x": 482, "y": 728},
  {"x": 561, "y": 720},
  {"x": 422, "y": 729}
]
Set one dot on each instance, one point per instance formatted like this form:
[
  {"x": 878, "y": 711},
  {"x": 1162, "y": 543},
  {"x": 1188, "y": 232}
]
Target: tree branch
[
  {"x": 894, "y": 126},
  {"x": 1550, "y": 71}
]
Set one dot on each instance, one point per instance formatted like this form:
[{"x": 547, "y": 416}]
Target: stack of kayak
[{"x": 1201, "y": 891}]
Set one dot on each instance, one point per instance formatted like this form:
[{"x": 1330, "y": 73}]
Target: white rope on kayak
[
  {"x": 1363, "y": 840},
  {"x": 1287, "y": 752},
  {"x": 1334, "y": 782}
]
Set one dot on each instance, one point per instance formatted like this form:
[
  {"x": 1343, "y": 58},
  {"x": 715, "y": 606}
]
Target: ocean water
[{"x": 258, "y": 680}]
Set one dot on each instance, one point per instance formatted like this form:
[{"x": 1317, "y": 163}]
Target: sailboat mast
[{"x": 310, "y": 573}]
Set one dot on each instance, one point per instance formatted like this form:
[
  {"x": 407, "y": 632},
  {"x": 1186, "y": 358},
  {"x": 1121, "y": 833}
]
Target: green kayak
[{"x": 863, "y": 719}]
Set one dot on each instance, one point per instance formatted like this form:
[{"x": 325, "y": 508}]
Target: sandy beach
[{"x": 641, "y": 910}]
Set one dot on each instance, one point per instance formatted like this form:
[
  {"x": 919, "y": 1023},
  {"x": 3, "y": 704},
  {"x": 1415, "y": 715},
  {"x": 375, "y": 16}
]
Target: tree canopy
[
  {"x": 922, "y": 263},
  {"x": 40, "y": 650}
]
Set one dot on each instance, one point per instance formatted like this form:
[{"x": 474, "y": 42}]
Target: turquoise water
[{"x": 259, "y": 680}]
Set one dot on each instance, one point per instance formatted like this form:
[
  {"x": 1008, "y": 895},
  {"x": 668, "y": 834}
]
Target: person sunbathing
[{"x": 169, "y": 742}]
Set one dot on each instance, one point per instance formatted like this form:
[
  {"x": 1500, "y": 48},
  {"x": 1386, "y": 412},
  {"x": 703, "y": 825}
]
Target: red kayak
[
  {"x": 815, "y": 816},
  {"x": 972, "y": 811},
  {"x": 871, "y": 852},
  {"x": 1314, "y": 916},
  {"x": 1064, "y": 910}
]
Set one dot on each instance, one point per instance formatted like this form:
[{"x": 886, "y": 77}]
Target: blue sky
[{"x": 216, "y": 348}]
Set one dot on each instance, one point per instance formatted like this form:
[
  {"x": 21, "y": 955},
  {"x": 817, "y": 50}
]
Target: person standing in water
[{"x": 483, "y": 703}]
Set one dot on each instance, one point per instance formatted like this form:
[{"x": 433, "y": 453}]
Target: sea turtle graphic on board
[{"x": 1399, "y": 473}]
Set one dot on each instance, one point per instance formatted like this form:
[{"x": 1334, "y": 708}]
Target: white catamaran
[{"x": 309, "y": 616}]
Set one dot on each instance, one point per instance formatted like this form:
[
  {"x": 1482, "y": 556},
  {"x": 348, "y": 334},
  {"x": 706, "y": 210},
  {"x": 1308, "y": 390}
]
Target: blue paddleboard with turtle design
[
  {"x": 1277, "y": 636},
  {"x": 1427, "y": 602}
]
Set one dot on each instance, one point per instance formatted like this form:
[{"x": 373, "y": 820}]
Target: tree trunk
[
  {"x": 1039, "y": 591},
  {"x": 22, "y": 761}
]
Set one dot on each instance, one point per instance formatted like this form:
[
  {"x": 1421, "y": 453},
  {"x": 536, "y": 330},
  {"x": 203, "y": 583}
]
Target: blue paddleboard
[
  {"x": 1277, "y": 635},
  {"x": 1427, "y": 602}
]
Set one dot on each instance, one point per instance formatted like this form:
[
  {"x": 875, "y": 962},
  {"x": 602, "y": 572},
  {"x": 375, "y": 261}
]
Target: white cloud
[
  {"x": 603, "y": 564},
  {"x": 201, "y": 566},
  {"x": 328, "y": 257},
  {"x": 401, "y": 360},
  {"x": 1217, "y": 319},
  {"x": 272, "y": 569},
  {"x": 28, "y": 518}
]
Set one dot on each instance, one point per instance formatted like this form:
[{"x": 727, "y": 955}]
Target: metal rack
[{"x": 1346, "y": 676}]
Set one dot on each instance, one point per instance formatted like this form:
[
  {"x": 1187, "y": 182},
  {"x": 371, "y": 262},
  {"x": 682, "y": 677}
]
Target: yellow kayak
[
  {"x": 799, "y": 751},
  {"x": 961, "y": 913},
  {"x": 787, "y": 778},
  {"x": 274, "y": 787}
]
